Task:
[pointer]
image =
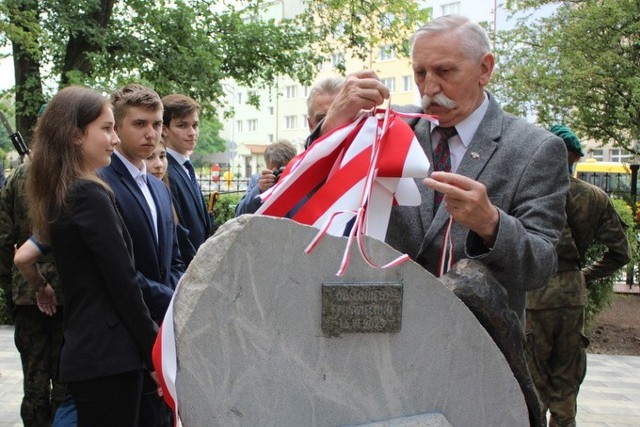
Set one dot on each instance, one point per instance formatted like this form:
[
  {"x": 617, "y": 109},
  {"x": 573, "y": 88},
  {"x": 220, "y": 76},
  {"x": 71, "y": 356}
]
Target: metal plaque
[{"x": 361, "y": 308}]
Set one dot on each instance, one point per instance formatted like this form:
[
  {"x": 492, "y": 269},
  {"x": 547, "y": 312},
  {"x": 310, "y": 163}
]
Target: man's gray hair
[
  {"x": 473, "y": 38},
  {"x": 328, "y": 85},
  {"x": 280, "y": 153}
]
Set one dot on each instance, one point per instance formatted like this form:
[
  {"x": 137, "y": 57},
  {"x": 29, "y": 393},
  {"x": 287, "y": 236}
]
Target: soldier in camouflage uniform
[
  {"x": 38, "y": 337},
  {"x": 556, "y": 345}
]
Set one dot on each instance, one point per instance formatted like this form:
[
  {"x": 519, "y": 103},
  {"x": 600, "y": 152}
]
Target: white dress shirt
[{"x": 140, "y": 177}]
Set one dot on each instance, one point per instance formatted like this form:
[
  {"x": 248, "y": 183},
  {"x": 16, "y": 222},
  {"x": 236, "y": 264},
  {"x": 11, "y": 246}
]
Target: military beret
[{"x": 570, "y": 139}]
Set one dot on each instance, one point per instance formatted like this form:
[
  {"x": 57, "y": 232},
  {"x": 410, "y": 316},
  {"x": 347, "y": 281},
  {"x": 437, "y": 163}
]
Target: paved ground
[
  {"x": 610, "y": 395},
  {"x": 623, "y": 288}
]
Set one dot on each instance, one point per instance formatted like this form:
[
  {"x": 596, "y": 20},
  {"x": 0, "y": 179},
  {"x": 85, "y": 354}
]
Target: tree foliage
[
  {"x": 209, "y": 140},
  {"x": 359, "y": 28},
  {"x": 173, "y": 46},
  {"x": 578, "y": 66},
  {"x": 185, "y": 46}
]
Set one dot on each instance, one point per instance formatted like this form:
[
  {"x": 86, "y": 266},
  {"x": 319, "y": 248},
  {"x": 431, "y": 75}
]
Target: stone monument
[{"x": 267, "y": 335}]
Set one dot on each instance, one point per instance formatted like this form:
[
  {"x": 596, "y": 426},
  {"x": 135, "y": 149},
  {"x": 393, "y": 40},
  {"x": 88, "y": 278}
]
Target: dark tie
[
  {"x": 442, "y": 158},
  {"x": 192, "y": 175}
]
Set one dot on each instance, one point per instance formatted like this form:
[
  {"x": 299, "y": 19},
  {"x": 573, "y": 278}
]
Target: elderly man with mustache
[{"x": 497, "y": 181}]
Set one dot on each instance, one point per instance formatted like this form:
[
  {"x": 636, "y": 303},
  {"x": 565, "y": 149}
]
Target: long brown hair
[{"x": 56, "y": 159}]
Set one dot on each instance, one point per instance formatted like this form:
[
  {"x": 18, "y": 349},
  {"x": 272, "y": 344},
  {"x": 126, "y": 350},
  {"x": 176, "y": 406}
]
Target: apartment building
[{"x": 283, "y": 109}]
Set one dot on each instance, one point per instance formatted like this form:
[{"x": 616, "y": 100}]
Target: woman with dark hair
[{"x": 108, "y": 333}]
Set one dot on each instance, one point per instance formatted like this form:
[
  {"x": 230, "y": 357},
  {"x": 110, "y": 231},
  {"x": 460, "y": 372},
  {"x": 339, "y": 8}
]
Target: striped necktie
[{"x": 442, "y": 158}]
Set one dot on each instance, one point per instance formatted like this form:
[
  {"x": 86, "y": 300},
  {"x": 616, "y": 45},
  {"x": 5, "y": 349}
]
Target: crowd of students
[
  {"x": 117, "y": 234},
  {"x": 114, "y": 194}
]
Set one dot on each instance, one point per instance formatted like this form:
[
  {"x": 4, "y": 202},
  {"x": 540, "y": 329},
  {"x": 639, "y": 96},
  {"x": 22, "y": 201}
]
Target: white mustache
[{"x": 439, "y": 99}]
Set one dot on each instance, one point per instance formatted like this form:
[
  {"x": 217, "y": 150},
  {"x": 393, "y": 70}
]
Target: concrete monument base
[{"x": 252, "y": 352}]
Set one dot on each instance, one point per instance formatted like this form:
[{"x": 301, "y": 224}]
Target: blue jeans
[{"x": 66, "y": 415}]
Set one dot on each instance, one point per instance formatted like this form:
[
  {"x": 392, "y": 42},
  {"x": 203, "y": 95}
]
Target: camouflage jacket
[
  {"x": 14, "y": 231},
  {"x": 591, "y": 219}
]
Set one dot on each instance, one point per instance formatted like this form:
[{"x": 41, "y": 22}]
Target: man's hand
[
  {"x": 155, "y": 378},
  {"x": 468, "y": 203},
  {"x": 267, "y": 180},
  {"x": 46, "y": 300},
  {"x": 362, "y": 90}
]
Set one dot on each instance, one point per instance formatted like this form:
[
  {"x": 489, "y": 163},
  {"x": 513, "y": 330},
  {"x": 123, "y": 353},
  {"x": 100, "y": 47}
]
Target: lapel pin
[{"x": 475, "y": 155}]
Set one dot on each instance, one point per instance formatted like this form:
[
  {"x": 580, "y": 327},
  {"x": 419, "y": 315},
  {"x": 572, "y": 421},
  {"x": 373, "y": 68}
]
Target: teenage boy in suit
[
  {"x": 144, "y": 202},
  {"x": 181, "y": 127}
]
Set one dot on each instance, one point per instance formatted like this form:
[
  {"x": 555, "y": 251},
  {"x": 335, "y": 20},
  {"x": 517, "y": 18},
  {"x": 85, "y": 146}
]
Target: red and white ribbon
[
  {"x": 165, "y": 360},
  {"x": 447, "y": 259},
  {"x": 358, "y": 170}
]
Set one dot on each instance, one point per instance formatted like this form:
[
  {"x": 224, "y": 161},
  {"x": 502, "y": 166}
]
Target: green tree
[
  {"x": 186, "y": 46},
  {"x": 173, "y": 46},
  {"x": 209, "y": 140},
  {"x": 578, "y": 66},
  {"x": 360, "y": 27}
]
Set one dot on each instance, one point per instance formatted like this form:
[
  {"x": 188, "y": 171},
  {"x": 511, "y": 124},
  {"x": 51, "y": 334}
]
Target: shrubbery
[{"x": 224, "y": 207}]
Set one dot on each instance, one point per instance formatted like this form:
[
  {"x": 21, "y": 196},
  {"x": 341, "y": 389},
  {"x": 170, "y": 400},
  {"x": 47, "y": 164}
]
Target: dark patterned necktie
[
  {"x": 192, "y": 173},
  {"x": 192, "y": 176},
  {"x": 442, "y": 158}
]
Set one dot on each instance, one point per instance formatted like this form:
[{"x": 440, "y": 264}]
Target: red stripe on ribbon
[
  {"x": 165, "y": 360},
  {"x": 337, "y": 176}
]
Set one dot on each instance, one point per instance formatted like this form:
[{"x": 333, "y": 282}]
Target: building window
[
  {"x": 390, "y": 83},
  {"x": 449, "y": 8},
  {"x": 290, "y": 91},
  {"x": 252, "y": 125},
  {"x": 386, "y": 53},
  {"x": 239, "y": 125},
  {"x": 598, "y": 154},
  {"x": 271, "y": 111},
  {"x": 270, "y": 137},
  {"x": 238, "y": 97},
  {"x": 407, "y": 83},
  {"x": 290, "y": 122},
  {"x": 305, "y": 91},
  {"x": 337, "y": 60},
  {"x": 386, "y": 20},
  {"x": 619, "y": 155}
]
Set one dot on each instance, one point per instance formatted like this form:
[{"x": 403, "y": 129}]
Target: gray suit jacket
[{"x": 524, "y": 168}]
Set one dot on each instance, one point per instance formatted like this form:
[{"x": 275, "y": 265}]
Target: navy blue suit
[
  {"x": 159, "y": 265},
  {"x": 190, "y": 207}
]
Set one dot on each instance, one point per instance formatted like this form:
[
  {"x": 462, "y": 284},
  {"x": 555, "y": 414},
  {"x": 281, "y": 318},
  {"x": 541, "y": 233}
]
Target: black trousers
[
  {"x": 153, "y": 411},
  {"x": 108, "y": 401}
]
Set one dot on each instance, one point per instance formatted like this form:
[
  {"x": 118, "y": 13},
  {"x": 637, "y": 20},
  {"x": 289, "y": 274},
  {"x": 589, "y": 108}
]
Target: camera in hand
[{"x": 277, "y": 172}]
